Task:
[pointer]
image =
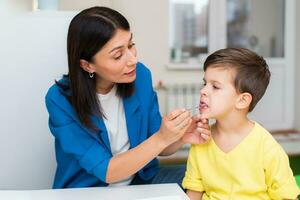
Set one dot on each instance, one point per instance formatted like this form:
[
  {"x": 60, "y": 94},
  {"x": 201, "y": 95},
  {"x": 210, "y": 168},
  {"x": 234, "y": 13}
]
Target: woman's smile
[{"x": 131, "y": 73}]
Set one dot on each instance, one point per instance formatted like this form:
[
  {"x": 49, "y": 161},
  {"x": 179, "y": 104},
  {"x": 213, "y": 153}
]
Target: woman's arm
[
  {"x": 172, "y": 148},
  {"x": 128, "y": 163}
]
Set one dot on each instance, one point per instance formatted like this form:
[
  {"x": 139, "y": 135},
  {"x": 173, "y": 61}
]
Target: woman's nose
[{"x": 132, "y": 58}]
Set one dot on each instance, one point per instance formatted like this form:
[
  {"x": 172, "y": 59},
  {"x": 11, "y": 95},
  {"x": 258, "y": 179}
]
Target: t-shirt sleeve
[
  {"x": 279, "y": 176},
  {"x": 91, "y": 155},
  {"x": 192, "y": 179}
]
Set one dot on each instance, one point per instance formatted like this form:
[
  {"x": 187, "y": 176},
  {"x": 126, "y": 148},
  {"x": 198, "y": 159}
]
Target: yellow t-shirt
[{"x": 257, "y": 168}]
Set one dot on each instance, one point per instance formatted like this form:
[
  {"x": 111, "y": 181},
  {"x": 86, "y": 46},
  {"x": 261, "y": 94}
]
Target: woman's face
[{"x": 116, "y": 61}]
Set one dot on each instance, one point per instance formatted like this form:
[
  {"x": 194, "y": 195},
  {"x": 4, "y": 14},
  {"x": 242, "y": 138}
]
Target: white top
[{"x": 115, "y": 122}]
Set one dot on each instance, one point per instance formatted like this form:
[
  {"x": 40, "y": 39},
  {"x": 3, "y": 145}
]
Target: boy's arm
[
  {"x": 192, "y": 180},
  {"x": 291, "y": 199},
  {"x": 279, "y": 176},
  {"x": 194, "y": 195}
]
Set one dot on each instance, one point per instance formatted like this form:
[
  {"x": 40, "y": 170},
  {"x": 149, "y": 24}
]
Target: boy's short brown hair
[{"x": 252, "y": 71}]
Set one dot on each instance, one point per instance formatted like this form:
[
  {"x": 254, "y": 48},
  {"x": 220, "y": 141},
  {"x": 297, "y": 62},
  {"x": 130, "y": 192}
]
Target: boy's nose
[{"x": 203, "y": 91}]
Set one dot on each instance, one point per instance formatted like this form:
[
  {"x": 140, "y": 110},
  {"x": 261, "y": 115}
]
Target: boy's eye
[{"x": 215, "y": 87}]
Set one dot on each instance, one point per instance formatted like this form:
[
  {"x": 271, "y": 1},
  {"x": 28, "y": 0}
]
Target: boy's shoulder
[
  {"x": 266, "y": 139},
  {"x": 262, "y": 130}
]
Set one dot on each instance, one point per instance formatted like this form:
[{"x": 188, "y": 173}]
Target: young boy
[{"x": 242, "y": 160}]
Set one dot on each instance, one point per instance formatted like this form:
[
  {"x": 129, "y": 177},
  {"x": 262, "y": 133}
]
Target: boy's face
[{"x": 218, "y": 96}]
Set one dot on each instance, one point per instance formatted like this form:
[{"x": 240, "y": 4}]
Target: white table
[{"x": 136, "y": 192}]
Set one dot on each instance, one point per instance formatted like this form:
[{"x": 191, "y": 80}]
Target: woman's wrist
[
  {"x": 160, "y": 140},
  {"x": 172, "y": 148}
]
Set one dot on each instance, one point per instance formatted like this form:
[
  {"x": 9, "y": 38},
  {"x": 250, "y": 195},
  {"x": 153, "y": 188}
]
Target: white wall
[
  {"x": 33, "y": 55},
  {"x": 80, "y": 4},
  {"x": 13, "y": 7},
  {"x": 297, "y": 74}
]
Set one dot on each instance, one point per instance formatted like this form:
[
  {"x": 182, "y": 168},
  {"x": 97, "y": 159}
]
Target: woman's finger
[
  {"x": 185, "y": 123},
  {"x": 201, "y": 125},
  {"x": 180, "y": 118},
  {"x": 175, "y": 113},
  {"x": 197, "y": 117}
]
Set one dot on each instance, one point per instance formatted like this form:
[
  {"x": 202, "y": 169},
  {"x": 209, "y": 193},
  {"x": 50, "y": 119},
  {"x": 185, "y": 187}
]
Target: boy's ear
[
  {"x": 244, "y": 100},
  {"x": 86, "y": 66}
]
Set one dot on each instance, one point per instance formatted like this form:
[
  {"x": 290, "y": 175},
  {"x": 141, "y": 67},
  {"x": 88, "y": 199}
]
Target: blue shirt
[{"x": 83, "y": 156}]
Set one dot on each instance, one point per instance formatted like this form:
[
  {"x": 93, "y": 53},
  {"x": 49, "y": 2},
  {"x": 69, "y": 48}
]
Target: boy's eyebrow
[
  {"x": 217, "y": 82},
  {"x": 212, "y": 81},
  {"x": 121, "y": 46}
]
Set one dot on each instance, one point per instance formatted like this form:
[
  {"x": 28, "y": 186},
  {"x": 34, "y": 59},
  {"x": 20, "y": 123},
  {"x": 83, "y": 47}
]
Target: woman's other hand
[
  {"x": 174, "y": 125},
  {"x": 198, "y": 132}
]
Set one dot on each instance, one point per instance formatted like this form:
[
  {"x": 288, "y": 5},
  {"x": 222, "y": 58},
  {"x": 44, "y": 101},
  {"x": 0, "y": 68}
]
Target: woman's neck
[{"x": 104, "y": 87}]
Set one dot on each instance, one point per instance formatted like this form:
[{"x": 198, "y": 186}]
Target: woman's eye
[
  {"x": 131, "y": 45},
  {"x": 118, "y": 57},
  {"x": 215, "y": 87}
]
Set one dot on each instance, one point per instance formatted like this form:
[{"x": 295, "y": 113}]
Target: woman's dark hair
[
  {"x": 88, "y": 32},
  {"x": 252, "y": 71}
]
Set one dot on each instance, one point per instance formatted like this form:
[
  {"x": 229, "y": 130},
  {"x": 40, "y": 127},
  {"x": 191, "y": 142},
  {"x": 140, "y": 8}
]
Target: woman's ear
[
  {"x": 86, "y": 66},
  {"x": 244, "y": 100}
]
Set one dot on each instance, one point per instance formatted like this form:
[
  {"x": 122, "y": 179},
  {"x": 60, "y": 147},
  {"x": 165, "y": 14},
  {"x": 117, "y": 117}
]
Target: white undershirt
[{"x": 115, "y": 123}]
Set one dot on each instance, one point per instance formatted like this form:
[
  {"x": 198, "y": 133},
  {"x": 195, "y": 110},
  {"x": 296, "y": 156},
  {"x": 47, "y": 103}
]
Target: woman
[{"x": 104, "y": 114}]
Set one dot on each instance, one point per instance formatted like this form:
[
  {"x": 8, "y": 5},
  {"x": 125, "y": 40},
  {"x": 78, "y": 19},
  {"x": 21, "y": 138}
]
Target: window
[
  {"x": 199, "y": 27},
  {"x": 257, "y": 25},
  {"x": 188, "y": 29}
]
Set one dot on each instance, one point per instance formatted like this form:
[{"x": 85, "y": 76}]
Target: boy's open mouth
[{"x": 203, "y": 105}]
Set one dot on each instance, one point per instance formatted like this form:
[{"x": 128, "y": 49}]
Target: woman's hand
[
  {"x": 198, "y": 132},
  {"x": 174, "y": 125}
]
